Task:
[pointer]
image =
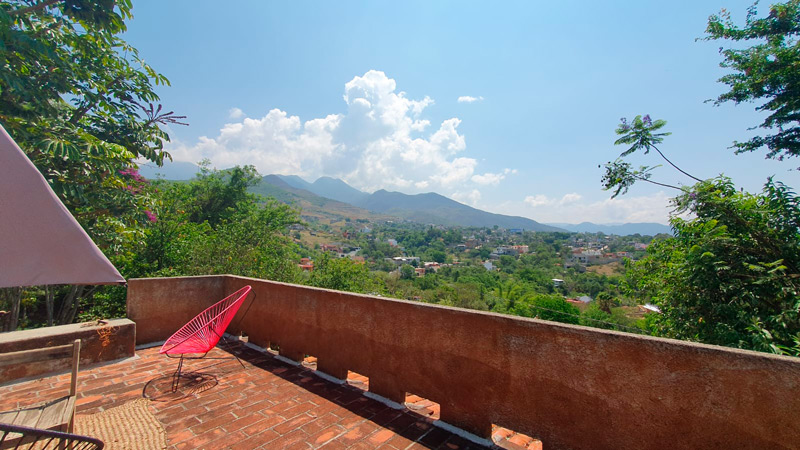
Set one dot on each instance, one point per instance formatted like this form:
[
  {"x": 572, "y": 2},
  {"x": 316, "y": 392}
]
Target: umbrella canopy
[{"x": 40, "y": 242}]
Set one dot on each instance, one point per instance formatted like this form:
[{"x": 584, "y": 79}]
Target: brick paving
[{"x": 267, "y": 404}]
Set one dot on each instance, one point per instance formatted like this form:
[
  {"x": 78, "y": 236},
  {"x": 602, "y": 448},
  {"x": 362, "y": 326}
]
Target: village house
[
  {"x": 400, "y": 260},
  {"x": 434, "y": 266},
  {"x": 334, "y": 247},
  {"x": 503, "y": 250},
  {"x": 521, "y": 249},
  {"x": 306, "y": 264}
]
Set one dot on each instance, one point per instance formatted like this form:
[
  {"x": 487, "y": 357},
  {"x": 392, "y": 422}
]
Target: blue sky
[{"x": 369, "y": 92}]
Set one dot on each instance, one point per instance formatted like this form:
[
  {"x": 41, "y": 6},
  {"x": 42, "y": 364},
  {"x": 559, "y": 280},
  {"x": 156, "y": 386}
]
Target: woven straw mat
[{"x": 128, "y": 427}]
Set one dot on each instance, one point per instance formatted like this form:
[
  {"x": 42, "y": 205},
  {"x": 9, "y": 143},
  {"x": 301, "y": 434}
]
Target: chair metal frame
[
  {"x": 203, "y": 332},
  {"x": 19, "y": 437}
]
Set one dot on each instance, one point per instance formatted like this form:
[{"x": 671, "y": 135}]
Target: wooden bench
[{"x": 58, "y": 414}]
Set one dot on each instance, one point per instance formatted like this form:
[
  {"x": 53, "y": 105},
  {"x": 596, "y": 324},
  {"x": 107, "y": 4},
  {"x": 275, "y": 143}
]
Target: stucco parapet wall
[
  {"x": 108, "y": 340},
  {"x": 572, "y": 387},
  {"x": 160, "y": 306}
]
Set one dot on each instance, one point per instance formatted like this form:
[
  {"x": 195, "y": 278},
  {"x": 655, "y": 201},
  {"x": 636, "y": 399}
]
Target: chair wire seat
[{"x": 204, "y": 331}]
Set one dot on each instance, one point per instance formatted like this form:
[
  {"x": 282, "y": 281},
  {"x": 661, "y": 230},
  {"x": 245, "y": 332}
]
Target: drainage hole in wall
[
  {"x": 357, "y": 380},
  {"x": 422, "y": 406},
  {"x": 310, "y": 362},
  {"x": 511, "y": 440}
]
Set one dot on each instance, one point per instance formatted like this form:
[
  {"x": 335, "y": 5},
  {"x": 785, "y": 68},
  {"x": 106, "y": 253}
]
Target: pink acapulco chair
[{"x": 203, "y": 332}]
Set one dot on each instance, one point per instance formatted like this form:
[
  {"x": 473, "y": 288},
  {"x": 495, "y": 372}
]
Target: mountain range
[
  {"x": 333, "y": 199},
  {"x": 621, "y": 229},
  {"x": 424, "y": 208}
]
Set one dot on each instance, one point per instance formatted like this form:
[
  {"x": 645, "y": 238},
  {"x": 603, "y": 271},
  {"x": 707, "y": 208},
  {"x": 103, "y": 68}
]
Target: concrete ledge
[{"x": 107, "y": 341}]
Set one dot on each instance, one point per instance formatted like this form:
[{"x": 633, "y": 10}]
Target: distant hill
[
  {"x": 327, "y": 187},
  {"x": 334, "y": 200},
  {"x": 338, "y": 190},
  {"x": 312, "y": 205},
  {"x": 626, "y": 229},
  {"x": 440, "y": 210},
  {"x": 423, "y": 208},
  {"x": 294, "y": 181}
]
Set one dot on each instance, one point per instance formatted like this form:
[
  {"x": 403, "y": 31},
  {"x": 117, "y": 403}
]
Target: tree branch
[
  {"x": 660, "y": 184},
  {"x": 30, "y": 9},
  {"x": 78, "y": 114},
  {"x": 673, "y": 165}
]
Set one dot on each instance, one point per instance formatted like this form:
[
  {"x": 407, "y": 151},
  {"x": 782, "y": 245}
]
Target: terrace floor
[{"x": 267, "y": 404}]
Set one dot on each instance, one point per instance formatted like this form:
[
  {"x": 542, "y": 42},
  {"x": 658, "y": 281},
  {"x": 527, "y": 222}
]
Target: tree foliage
[
  {"x": 212, "y": 225},
  {"x": 79, "y": 101},
  {"x": 547, "y": 307},
  {"x": 766, "y": 72},
  {"x": 642, "y": 134},
  {"x": 730, "y": 274},
  {"x": 341, "y": 274}
]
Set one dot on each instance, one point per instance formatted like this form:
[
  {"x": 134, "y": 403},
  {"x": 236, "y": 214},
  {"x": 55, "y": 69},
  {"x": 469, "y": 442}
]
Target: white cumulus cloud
[
  {"x": 535, "y": 201},
  {"x": 380, "y": 141},
  {"x": 573, "y": 208},
  {"x": 468, "y": 197},
  {"x": 235, "y": 113},
  {"x": 570, "y": 198},
  {"x": 489, "y": 178},
  {"x": 469, "y": 99}
]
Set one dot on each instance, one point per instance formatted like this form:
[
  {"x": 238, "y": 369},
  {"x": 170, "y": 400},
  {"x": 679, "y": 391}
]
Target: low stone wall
[
  {"x": 572, "y": 387},
  {"x": 108, "y": 341}
]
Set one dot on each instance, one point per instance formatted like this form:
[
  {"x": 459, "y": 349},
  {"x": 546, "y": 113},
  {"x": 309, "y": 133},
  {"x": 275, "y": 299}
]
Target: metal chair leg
[
  {"x": 233, "y": 352},
  {"x": 176, "y": 377}
]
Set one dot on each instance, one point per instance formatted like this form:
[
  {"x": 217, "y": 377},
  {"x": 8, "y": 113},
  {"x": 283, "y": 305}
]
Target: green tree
[
  {"x": 406, "y": 272},
  {"x": 466, "y": 295},
  {"x": 81, "y": 103},
  {"x": 341, "y": 274},
  {"x": 767, "y": 72},
  {"x": 547, "y": 307},
  {"x": 438, "y": 256},
  {"x": 513, "y": 292},
  {"x": 604, "y": 302},
  {"x": 641, "y": 134},
  {"x": 730, "y": 274},
  {"x": 595, "y": 316},
  {"x": 212, "y": 225},
  {"x": 215, "y": 195}
]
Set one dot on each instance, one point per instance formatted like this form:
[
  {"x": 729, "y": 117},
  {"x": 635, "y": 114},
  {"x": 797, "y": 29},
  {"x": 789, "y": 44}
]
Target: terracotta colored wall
[
  {"x": 160, "y": 306},
  {"x": 106, "y": 342},
  {"x": 572, "y": 387}
]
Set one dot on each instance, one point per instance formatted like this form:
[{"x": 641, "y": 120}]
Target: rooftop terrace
[
  {"x": 461, "y": 379},
  {"x": 268, "y": 404}
]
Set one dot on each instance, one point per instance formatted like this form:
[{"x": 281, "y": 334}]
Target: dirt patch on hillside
[{"x": 614, "y": 268}]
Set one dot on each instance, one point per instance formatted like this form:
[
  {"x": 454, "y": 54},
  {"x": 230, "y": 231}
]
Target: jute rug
[{"x": 128, "y": 427}]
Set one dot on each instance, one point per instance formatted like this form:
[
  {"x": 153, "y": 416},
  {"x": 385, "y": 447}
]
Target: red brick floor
[{"x": 269, "y": 405}]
